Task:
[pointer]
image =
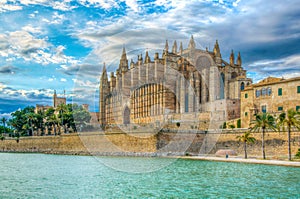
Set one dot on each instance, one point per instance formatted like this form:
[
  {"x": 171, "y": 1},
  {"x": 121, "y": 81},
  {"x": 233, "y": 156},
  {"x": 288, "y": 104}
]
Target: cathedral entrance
[{"x": 126, "y": 115}]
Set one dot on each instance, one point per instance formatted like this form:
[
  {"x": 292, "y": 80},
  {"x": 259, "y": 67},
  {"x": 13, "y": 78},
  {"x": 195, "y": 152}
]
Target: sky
[{"x": 48, "y": 45}]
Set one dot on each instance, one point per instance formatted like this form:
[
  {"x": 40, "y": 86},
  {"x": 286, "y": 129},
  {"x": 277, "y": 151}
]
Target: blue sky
[{"x": 48, "y": 44}]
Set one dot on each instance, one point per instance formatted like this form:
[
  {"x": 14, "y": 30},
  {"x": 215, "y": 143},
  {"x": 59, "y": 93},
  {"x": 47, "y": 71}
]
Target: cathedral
[{"x": 174, "y": 86}]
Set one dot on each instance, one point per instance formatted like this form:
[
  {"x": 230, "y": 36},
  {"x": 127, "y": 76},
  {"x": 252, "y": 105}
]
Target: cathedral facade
[{"x": 180, "y": 82}]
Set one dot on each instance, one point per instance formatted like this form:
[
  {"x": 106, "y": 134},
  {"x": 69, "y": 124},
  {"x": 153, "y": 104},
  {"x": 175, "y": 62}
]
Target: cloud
[
  {"x": 5, "y": 115},
  {"x": 5, "y": 6},
  {"x": 105, "y": 4},
  {"x": 8, "y": 70},
  {"x": 8, "y": 5},
  {"x": 23, "y": 45},
  {"x": 287, "y": 66},
  {"x": 63, "y": 79}
]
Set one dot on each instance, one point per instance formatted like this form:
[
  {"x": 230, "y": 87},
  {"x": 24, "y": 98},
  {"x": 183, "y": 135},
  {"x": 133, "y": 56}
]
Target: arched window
[
  {"x": 186, "y": 108},
  {"x": 248, "y": 83},
  {"x": 126, "y": 115},
  {"x": 222, "y": 82},
  {"x": 257, "y": 93},
  {"x": 242, "y": 86},
  {"x": 269, "y": 91},
  {"x": 264, "y": 92}
]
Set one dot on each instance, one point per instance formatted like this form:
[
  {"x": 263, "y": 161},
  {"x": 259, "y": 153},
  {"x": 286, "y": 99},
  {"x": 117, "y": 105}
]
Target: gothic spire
[
  {"x": 217, "y": 49},
  {"x": 174, "y": 48},
  {"x": 147, "y": 58},
  {"x": 180, "y": 48},
  {"x": 166, "y": 46},
  {"x": 239, "y": 60},
  {"x": 104, "y": 78},
  {"x": 232, "y": 58},
  {"x": 192, "y": 44},
  {"x": 123, "y": 61},
  {"x": 124, "y": 53}
]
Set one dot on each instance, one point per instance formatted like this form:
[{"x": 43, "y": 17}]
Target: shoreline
[
  {"x": 233, "y": 159},
  {"x": 247, "y": 161}
]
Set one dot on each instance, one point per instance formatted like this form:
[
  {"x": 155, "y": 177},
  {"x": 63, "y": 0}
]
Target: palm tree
[
  {"x": 263, "y": 122},
  {"x": 289, "y": 120},
  {"x": 30, "y": 119},
  {"x": 246, "y": 139},
  {"x": 62, "y": 109},
  {"x": 3, "y": 121},
  {"x": 54, "y": 122}
]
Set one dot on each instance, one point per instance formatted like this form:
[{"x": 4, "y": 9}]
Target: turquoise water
[{"x": 58, "y": 176}]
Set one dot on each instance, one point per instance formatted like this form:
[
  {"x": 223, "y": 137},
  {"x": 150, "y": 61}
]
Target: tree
[
  {"x": 263, "y": 122},
  {"x": 80, "y": 117},
  {"x": 19, "y": 119},
  {"x": 39, "y": 122},
  {"x": 3, "y": 121},
  {"x": 51, "y": 120},
  {"x": 289, "y": 120},
  {"x": 31, "y": 119},
  {"x": 246, "y": 138},
  {"x": 62, "y": 110}
]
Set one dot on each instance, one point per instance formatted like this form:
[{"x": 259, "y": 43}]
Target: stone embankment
[{"x": 143, "y": 144}]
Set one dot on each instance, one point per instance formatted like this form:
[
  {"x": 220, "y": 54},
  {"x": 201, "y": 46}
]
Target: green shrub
[
  {"x": 298, "y": 154},
  {"x": 224, "y": 125},
  {"x": 238, "y": 123}
]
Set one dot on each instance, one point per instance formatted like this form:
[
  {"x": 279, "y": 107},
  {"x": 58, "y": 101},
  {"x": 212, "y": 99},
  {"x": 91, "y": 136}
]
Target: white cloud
[
  {"x": 6, "y": 115},
  {"x": 286, "y": 67},
  {"x": 23, "y": 45},
  {"x": 8, "y": 7},
  {"x": 29, "y": 28},
  {"x": 105, "y": 4},
  {"x": 133, "y": 5},
  {"x": 63, "y": 79},
  {"x": 2, "y": 86}
]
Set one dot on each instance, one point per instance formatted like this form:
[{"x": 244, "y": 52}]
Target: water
[{"x": 57, "y": 176}]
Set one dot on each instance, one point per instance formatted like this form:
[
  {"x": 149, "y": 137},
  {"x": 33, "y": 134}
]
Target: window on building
[
  {"x": 298, "y": 89},
  {"x": 246, "y": 95},
  {"x": 242, "y": 86},
  {"x": 279, "y": 91},
  {"x": 257, "y": 93},
  {"x": 186, "y": 103},
  {"x": 222, "y": 86},
  {"x": 269, "y": 91},
  {"x": 263, "y": 91},
  {"x": 264, "y": 108},
  {"x": 280, "y": 108},
  {"x": 297, "y": 108},
  {"x": 246, "y": 114}
]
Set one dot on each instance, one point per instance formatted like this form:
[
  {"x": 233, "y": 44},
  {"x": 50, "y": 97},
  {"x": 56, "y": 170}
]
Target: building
[
  {"x": 180, "y": 82},
  {"x": 58, "y": 100},
  {"x": 272, "y": 95}
]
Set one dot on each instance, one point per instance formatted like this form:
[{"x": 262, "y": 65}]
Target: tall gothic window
[
  {"x": 186, "y": 105},
  {"x": 222, "y": 82},
  {"x": 242, "y": 86}
]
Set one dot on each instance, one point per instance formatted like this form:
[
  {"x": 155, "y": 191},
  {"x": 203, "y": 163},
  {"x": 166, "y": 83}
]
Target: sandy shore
[{"x": 242, "y": 160}]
